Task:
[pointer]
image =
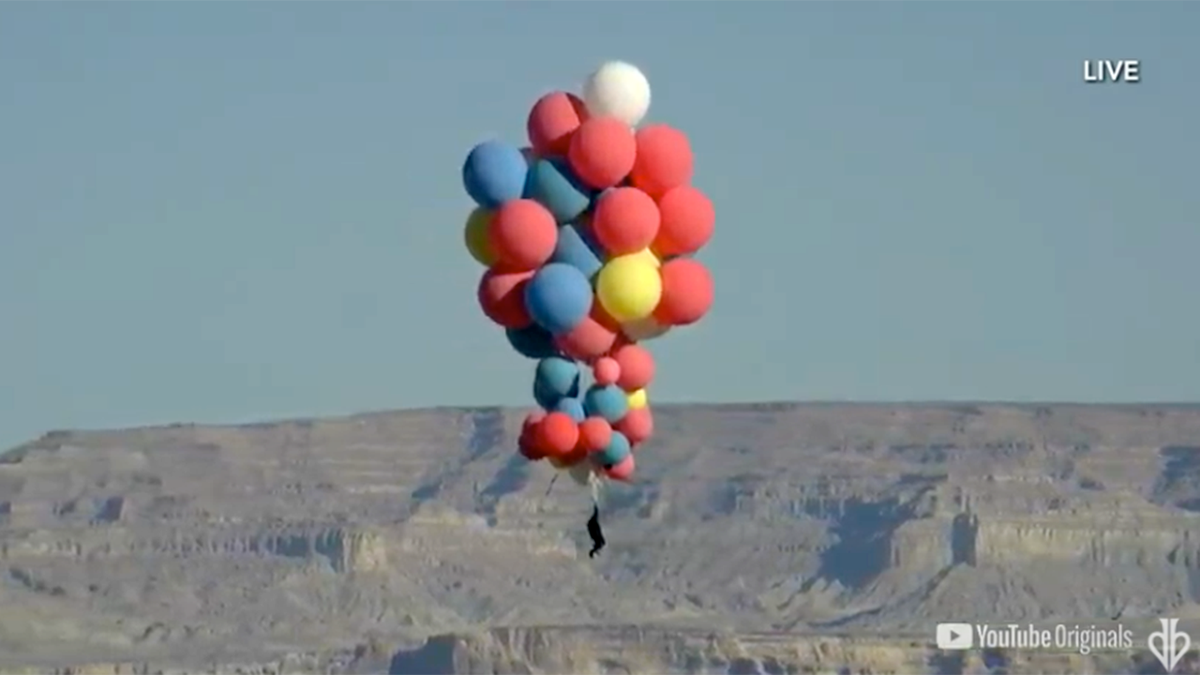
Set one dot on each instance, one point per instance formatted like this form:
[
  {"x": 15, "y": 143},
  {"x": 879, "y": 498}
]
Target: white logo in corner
[
  {"x": 954, "y": 636},
  {"x": 1168, "y": 645}
]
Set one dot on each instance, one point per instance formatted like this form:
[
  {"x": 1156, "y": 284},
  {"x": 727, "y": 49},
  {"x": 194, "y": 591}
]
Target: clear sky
[{"x": 221, "y": 212}]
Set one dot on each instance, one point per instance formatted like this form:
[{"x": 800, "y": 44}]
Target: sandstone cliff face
[{"x": 813, "y": 537}]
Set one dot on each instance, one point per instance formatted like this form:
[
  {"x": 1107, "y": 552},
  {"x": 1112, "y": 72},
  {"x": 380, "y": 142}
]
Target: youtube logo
[{"x": 954, "y": 636}]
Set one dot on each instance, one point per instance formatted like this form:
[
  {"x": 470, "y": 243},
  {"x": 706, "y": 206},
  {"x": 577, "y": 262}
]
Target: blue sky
[{"x": 220, "y": 212}]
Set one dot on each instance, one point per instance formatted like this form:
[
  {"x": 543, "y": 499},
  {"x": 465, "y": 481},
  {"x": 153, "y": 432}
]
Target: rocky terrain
[{"x": 775, "y": 538}]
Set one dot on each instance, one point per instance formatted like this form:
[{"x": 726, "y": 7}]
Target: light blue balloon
[
  {"x": 531, "y": 342},
  {"x": 558, "y": 376},
  {"x": 551, "y": 184},
  {"x": 617, "y": 450},
  {"x": 576, "y": 247},
  {"x": 494, "y": 173},
  {"x": 558, "y": 297},
  {"x": 548, "y": 400},
  {"x": 572, "y": 407},
  {"x": 609, "y": 402}
]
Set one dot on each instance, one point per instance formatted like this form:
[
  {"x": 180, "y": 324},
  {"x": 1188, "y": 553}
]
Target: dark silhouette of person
[{"x": 594, "y": 532}]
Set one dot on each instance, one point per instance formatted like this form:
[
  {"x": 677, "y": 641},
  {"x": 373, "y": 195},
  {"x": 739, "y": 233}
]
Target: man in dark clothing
[{"x": 597, "y": 536}]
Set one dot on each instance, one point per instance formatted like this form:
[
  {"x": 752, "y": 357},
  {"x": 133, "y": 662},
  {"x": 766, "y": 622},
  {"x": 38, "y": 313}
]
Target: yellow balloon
[
  {"x": 637, "y": 399},
  {"x": 645, "y": 329},
  {"x": 629, "y": 287},
  {"x": 476, "y": 236},
  {"x": 648, "y": 255}
]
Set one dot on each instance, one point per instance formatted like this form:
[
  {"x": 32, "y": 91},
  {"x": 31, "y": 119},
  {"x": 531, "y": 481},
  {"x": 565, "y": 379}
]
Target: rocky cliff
[{"x": 760, "y": 538}]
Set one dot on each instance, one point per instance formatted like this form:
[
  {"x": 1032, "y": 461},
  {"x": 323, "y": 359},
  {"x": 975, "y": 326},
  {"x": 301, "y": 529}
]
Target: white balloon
[
  {"x": 581, "y": 473},
  {"x": 617, "y": 89}
]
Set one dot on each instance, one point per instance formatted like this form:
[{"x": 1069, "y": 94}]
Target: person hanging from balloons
[
  {"x": 589, "y": 237},
  {"x": 594, "y": 531}
]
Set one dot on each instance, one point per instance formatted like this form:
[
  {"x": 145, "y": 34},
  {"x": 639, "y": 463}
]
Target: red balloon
[
  {"x": 625, "y": 220},
  {"x": 664, "y": 159},
  {"x": 687, "y": 222},
  {"x": 553, "y": 121},
  {"x": 502, "y": 297},
  {"x": 606, "y": 371},
  {"x": 594, "y": 434},
  {"x": 602, "y": 152},
  {"x": 523, "y": 234},
  {"x": 558, "y": 434},
  {"x": 592, "y": 338},
  {"x": 687, "y": 292},
  {"x": 529, "y": 449},
  {"x": 531, "y": 421},
  {"x": 622, "y": 340},
  {"x": 637, "y": 367},
  {"x": 637, "y": 425},
  {"x": 527, "y": 441},
  {"x": 622, "y": 470}
]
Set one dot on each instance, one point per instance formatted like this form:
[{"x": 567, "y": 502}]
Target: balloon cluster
[{"x": 587, "y": 236}]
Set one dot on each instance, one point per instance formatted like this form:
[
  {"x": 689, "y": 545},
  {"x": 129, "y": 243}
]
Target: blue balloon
[
  {"x": 609, "y": 402},
  {"x": 576, "y": 247},
  {"x": 494, "y": 173},
  {"x": 572, "y": 407},
  {"x": 558, "y": 297},
  {"x": 551, "y": 184},
  {"x": 558, "y": 376},
  {"x": 617, "y": 450},
  {"x": 548, "y": 400},
  {"x": 531, "y": 342}
]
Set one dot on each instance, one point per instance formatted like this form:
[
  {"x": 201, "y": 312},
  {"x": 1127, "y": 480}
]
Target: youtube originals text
[{"x": 1067, "y": 637}]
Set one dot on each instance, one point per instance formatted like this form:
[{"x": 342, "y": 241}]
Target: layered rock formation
[{"x": 759, "y": 538}]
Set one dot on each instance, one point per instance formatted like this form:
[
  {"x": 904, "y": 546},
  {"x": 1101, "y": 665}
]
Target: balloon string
[
  {"x": 551, "y": 485},
  {"x": 594, "y": 483}
]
